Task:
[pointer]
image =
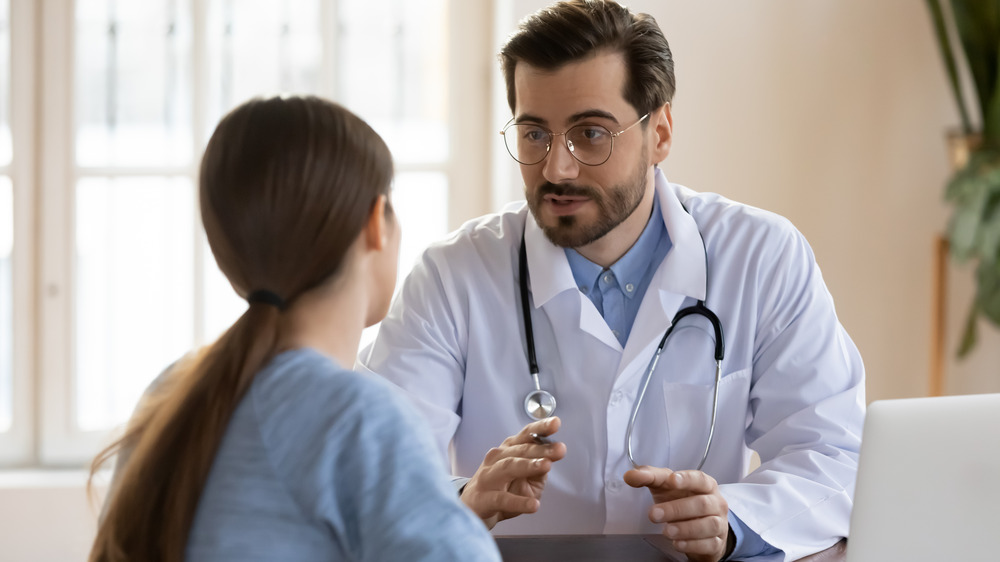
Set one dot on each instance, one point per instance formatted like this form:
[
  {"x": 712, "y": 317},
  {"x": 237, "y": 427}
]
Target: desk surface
[{"x": 609, "y": 548}]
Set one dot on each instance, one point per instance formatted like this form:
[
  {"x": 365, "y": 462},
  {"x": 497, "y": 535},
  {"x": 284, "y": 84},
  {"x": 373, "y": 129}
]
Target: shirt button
[
  {"x": 615, "y": 332},
  {"x": 629, "y": 287},
  {"x": 616, "y": 398},
  {"x": 607, "y": 278},
  {"x": 583, "y": 289},
  {"x": 615, "y": 485}
]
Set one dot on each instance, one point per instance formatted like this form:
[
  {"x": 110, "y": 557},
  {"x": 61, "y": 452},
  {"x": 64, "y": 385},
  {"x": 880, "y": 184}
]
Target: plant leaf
[
  {"x": 970, "y": 335},
  {"x": 969, "y": 196},
  {"x": 991, "y": 105},
  {"x": 988, "y": 237},
  {"x": 978, "y": 25},
  {"x": 948, "y": 56},
  {"x": 988, "y": 290}
]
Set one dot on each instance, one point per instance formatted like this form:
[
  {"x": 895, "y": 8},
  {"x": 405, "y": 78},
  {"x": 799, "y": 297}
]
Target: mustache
[{"x": 566, "y": 190}]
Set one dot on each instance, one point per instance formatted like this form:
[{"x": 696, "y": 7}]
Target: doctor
[{"x": 613, "y": 251}]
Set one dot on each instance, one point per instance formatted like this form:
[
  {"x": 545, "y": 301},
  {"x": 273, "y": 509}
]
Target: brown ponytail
[{"x": 286, "y": 186}]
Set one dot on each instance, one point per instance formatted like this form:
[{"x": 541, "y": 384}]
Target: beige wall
[
  {"x": 47, "y": 516},
  {"x": 833, "y": 114}
]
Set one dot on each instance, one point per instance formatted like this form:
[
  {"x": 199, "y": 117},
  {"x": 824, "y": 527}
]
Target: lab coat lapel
[
  {"x": 549, "y": 275},
  {"x": 682, "y": 274}
]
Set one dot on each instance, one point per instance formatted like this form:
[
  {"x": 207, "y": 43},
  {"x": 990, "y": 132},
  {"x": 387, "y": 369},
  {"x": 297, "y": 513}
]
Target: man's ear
[
  {"x": 376, "y": 233},
  {"x": 662, "y": 125}
]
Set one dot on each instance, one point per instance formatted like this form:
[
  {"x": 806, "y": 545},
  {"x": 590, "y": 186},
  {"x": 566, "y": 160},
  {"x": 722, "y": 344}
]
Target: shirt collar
[{"x": 684, "y": 269}]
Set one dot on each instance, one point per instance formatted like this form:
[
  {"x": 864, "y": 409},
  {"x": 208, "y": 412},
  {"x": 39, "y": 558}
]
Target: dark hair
[
  {"x": 573, "y": 30},
  {"x": 287, "y": 184}
]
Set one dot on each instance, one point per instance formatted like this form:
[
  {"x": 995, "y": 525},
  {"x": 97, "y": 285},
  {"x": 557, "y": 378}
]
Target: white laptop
[{"x": 928, "y": 481}]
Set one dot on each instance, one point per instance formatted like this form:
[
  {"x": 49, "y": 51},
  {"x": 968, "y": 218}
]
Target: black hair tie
[{"x": 264, "y": 296}]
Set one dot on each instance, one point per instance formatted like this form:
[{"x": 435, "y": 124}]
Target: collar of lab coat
[{"x": 682, "y": 272}]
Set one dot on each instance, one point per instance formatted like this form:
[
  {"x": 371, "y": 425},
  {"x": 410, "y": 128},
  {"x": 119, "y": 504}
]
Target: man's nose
[{"x": 560, "y": 165}]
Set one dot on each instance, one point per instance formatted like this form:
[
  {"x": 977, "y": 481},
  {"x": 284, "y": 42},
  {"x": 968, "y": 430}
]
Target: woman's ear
[
  {"x": 376, "y": 231},
  {"x": 662, "y": 130}
]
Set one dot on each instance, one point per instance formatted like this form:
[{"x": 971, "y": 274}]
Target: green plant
[{"x": 974, "y": 189}]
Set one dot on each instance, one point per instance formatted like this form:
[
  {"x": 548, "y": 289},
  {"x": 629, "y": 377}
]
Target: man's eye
[
  {"x": 592, "y": 134},
  {"x": 536, "y": 135}
]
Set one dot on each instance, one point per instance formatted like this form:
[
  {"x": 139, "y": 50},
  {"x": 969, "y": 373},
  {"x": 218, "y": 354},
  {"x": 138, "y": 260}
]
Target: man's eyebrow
[
  {"x": 579, "y": 116},
  {"x": 528, "y": 118},
  {"x": 590, "y": 113}
]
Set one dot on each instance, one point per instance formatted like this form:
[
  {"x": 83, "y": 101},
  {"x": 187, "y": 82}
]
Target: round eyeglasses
[{"x": 590, "y": 144}]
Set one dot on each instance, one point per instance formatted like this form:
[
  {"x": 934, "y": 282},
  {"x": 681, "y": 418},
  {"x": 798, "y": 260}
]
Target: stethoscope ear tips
[{"x": 539, "y": 404}]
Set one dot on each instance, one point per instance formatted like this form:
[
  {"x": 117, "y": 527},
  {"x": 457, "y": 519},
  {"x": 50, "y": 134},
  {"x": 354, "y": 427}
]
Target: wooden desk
[{"x": 611, "y": 548}]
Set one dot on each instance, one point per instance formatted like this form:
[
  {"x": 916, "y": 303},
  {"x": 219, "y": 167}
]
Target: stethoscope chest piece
[{"x": 539, "y": 404}]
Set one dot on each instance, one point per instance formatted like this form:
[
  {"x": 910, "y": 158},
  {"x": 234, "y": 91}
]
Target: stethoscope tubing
[{"x": 720, "y": 347}]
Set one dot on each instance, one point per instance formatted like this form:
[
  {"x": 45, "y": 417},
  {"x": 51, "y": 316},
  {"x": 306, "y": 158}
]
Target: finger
[
  {"x": 696, "y": 529},
  {"x": 552, "y": 452},
  {"x": 648, "y": 477},
  {"x": 714, "y": 547},
  {"x": 694, "y": 481},
  {"x": 508, "y": 469},
  {"x": 488, "y": 503},
  {"x": 545, "y": 427},
  {"x": 687, "y": 508}
]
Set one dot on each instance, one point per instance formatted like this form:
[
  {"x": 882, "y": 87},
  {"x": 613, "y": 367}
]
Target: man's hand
[
  {"x": 689, "y": 504},
  {"x": 511, "y": 479}
]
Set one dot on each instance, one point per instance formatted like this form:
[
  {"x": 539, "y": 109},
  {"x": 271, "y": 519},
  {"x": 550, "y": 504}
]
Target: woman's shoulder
[
  {"x": 305, "y": 391},
  {"x": 303, "y": 377}
]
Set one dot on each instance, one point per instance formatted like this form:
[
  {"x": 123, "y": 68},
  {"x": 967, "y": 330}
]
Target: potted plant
[{"x": 973, "y": 231}]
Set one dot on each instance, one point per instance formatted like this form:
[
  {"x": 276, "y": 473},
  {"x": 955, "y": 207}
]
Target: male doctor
[{"x": 613, "y": 251}]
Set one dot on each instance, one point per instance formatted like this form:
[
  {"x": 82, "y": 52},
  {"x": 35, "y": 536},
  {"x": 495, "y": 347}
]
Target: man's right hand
[{"x": 511, "y": 478}]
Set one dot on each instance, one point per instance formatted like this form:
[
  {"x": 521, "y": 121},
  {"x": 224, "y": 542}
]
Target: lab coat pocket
[{"x": 688, "y": 409}]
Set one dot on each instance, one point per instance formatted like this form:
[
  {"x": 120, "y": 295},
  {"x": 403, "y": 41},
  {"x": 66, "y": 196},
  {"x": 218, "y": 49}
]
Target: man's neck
[{"x": 608, "y": 249}]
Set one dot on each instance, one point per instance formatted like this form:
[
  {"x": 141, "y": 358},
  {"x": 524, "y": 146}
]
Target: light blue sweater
[{"x": 321, "y": 463}]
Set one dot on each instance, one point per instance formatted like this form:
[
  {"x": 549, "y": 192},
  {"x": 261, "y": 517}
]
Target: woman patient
[{"x": 265, "y": 445}]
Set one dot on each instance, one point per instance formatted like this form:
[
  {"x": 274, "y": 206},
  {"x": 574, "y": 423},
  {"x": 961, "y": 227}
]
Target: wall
[
  {"x": 47, "y": 516},
  {"x": 832, "y": 113}
]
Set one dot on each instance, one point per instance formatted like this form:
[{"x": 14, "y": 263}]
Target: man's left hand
[{"x": 691, "y": 507}]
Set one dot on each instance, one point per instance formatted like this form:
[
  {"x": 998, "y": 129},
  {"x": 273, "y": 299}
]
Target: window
[{"x": 132, "y": 90}]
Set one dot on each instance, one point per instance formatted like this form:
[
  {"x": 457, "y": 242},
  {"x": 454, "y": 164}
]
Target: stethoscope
[{"x": 540, "y": 404}]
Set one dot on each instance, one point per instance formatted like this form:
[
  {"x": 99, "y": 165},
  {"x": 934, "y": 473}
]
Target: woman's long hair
[{"x": 286, "y": 186}]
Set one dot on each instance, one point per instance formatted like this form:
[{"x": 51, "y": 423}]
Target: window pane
[
  {"x": 420, "y": 200},
  {"x": 134, "y": 275},
  {"x": 133, "y": 80},
  {"x": 392, "y": 70},
  {"x": 6, "y": 303},
  {"x": 5, "y": 135},
  {"x": 261, "y": 47}
]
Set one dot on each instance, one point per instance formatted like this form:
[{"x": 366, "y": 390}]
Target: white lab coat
[{"x": 792, "y": 381}]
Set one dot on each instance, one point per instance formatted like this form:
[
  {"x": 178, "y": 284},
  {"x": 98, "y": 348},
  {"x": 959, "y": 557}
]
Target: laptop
[{"x": 928, "y": 483}]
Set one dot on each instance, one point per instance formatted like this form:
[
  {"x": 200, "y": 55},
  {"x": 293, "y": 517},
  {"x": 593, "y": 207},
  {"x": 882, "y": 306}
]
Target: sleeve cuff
[
  {"x": 459, "y": 483},
  {"x": 748, "y": 542}
]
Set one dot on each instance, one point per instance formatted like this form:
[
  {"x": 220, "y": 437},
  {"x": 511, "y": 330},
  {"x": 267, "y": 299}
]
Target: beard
[{"x": 614, "y": 205}]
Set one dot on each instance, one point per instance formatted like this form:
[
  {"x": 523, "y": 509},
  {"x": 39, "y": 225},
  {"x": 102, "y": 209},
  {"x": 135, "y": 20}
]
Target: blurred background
[{"x": 833, "y": 113}]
